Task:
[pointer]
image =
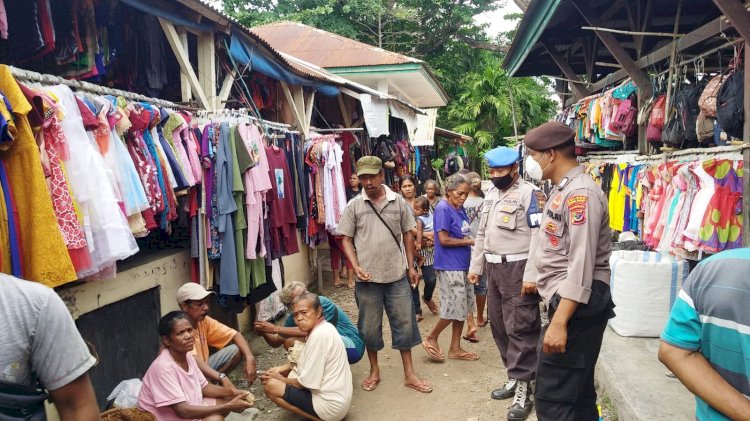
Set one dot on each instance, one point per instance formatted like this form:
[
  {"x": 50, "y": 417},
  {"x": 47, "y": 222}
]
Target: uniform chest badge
[
  {"x": 506, "y": 219},
  {"x": 556, "y": 202},
  {"x": 554, "y": 241}
]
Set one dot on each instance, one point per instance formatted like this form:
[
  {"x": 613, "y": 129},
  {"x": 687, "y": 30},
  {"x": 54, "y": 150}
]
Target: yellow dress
[{"x": 44, "y": 255}]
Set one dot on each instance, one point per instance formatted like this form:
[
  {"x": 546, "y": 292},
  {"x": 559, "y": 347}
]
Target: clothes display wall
[
  {"x": 82, "y": 176},
  {"x": 689, "y": 207},
  {"x": 604, "y": 120},
  {"x": 97, "y": 40},
  {"x": 251, "y": 195}
]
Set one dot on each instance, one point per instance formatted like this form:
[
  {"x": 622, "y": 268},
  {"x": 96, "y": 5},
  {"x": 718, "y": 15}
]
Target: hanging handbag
[{"x": 672, "y": 133}]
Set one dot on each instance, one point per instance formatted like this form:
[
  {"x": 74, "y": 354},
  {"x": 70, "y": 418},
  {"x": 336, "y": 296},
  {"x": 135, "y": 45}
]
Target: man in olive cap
[
  {"x": 378, "y": 242},
  {"x": 509, "y": 224},
  {"x": 572, "y": 260}
]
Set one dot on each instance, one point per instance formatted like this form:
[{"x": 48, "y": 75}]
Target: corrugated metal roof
[{"x": 326, "y": 49}]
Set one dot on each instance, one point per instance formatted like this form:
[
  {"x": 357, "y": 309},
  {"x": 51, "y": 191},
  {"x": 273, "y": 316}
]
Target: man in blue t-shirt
[
  {"x": 289, "y": 333},
  {"x": 706, "y": 342}
]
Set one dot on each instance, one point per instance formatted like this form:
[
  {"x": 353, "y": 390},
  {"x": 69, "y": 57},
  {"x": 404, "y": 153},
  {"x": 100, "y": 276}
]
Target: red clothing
[
  {"x": 347, "y": 139},
  {"x": 280, "y": 201}
]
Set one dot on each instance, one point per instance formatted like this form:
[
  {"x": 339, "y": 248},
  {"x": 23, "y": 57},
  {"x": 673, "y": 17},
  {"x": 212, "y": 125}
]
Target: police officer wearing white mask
[
  {"x": 572, "y": 258},
  {"x": 509, "y": 221}
]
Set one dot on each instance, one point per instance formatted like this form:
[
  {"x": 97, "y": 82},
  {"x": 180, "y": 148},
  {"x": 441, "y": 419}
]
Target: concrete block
[{"x": 629, "y": 372}]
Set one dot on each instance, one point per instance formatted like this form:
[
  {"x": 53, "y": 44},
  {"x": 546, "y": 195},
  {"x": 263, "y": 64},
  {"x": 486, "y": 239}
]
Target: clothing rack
[
  {"x": 46, "y": 79},
  {"x": 727, "y": 152},
  {"x": 729, "y": 44},
  {"x": 245, "y": 113},
  {"x": 347, "y": 129}
]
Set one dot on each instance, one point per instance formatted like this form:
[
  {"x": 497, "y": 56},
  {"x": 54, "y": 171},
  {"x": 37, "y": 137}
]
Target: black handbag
[
  {"x": 672, "y": 134},
  {"x": 18, "y": 402}
]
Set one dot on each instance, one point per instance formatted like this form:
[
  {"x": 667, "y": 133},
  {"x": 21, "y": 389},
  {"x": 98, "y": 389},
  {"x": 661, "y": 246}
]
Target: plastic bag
[{"x": 126, "y": 393}]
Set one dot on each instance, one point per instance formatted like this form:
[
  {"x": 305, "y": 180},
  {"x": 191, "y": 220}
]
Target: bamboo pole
[
  {"x": 672, "y": 57},
  {"x": 636, "y": 33}
]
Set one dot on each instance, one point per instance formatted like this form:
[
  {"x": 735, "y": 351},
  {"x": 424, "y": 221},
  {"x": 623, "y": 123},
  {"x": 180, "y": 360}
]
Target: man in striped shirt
[{"x": 706, "y": 342}]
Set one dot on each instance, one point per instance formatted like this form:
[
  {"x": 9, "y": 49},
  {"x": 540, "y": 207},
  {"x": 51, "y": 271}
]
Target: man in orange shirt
[{"x": 194, "y": 300}]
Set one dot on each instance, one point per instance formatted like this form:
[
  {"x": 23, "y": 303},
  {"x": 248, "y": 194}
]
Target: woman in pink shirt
[{"x": 175, "y": 389}]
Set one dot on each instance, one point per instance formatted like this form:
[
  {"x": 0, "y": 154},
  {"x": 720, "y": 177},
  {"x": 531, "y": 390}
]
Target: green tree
[{"x": 483, "y": 108}]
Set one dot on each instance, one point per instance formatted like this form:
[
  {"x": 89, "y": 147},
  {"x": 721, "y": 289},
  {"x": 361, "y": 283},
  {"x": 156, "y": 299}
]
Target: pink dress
[{"x": 166, "y": 384}]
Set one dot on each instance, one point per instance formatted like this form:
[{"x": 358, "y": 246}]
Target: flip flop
[
  {"x": 369, "y": 386},
  {"x": 433, "y": 353},
  {"x": 484, "y": 323},
  {"x": 471, "y": 338},
  {"x": 339, "y": 285},
  {"x": 466, "y": 356},
  {"x": 422, "y": 387}
]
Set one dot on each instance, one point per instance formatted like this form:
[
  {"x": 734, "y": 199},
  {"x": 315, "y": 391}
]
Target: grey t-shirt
[{"x": 39, "y": 342}]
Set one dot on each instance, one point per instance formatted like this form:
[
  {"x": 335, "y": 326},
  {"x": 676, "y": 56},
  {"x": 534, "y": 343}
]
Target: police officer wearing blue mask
[{"x": 510, "y": 218}]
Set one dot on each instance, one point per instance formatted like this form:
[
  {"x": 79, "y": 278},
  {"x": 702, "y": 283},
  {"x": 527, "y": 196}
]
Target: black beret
[{"x": 548, "y": 136}]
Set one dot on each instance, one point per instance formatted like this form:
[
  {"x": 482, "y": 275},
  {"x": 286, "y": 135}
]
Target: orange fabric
[
  {"x": 44, "y": 254},
  {"x": 211, "y": 333}
]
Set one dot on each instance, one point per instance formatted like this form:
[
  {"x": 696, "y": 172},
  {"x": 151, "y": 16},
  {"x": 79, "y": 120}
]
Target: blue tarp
[
  {"x": 243, "y": 52},
  {"x": 175, "y": 18}
]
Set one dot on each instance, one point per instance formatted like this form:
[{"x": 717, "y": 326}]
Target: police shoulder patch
[
  {"x": 577, "y": 209},
  {"x": 541, "y": 199}
]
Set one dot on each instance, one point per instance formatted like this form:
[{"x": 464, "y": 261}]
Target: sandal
[
  {"x": 433, "y": 353},
  {"x": 369, "y": 386},
  {"x": 465, "y": 356},
  {"x": 431, "y": 305},
  {"x": 471, "y": 338},
  {"x": 422, "y": 387},
  {"x": 419, "y": 318}
]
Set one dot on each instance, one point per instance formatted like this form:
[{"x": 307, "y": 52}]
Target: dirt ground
[{"x": 461, "y": 389}]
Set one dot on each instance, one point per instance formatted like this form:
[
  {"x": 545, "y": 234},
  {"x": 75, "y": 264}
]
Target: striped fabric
[{"x": 710, "y": 315}]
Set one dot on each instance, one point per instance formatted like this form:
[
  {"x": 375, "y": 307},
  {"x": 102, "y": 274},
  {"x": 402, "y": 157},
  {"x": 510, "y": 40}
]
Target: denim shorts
[
  {"x": 395, "y": 297},
  {"x": 223, "y": 356},
  {"x": 480, "y": 288}
]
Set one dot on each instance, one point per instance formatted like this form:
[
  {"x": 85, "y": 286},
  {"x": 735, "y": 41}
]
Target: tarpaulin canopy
[{"x": 245, "y": 53}]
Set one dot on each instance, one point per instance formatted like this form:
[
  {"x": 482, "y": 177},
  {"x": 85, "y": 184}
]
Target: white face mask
[{"x": 533, "y": 169}]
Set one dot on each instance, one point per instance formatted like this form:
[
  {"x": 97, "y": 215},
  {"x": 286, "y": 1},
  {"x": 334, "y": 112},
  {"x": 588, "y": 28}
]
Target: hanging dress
[
  {"x": 721, "y": 228},
  {"x": 108, "y": 234}
]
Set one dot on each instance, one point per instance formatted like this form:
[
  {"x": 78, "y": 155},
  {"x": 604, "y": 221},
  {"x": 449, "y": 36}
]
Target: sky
[{"x": 495, "y": 19}]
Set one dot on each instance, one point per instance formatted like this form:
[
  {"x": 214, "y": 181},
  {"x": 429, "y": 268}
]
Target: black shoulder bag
[
  {"x": 398, "y": 243},
  {"x": 18, "y": 402}
]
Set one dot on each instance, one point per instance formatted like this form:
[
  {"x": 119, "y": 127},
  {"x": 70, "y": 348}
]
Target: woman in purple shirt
[{"x": 452, "y": 255}]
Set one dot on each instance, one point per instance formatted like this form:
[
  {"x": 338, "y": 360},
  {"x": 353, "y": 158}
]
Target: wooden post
[
  {"x": 578, "y": 87},
  {"x": 187, "y": 93},
  {"x": 207, "y": 67},
  {"x": 226, "y": 89},
  {"x": 309, "y": 105},
  {"x": 672, "y": 59},
  {"x": 617, "y": 50},
  {"x": 295, "y": 109},
  {"x": 184, "y": 60},
  {"x": 347, "y": 116},
  {"x": 740, "y": 19}
]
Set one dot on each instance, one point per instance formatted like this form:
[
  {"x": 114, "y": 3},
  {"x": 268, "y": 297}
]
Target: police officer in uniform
[
  {"x": 572, "y": 259},
  {"x": 510, "y": 217}
]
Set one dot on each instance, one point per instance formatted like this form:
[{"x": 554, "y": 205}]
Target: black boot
[
  {"x": 522, "y": 402},
  {"x": 505, "y": 392}
]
